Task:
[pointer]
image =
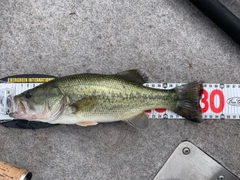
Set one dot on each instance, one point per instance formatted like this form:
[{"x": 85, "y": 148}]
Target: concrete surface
[{"x": 169, "y": 40}]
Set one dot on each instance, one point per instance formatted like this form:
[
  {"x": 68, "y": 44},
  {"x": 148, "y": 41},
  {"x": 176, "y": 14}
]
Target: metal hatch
[{"x": 188, "y": 162}]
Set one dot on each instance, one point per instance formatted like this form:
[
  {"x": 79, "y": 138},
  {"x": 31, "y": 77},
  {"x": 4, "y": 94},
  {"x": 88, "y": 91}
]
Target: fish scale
[{"x": 116, "y": 90}]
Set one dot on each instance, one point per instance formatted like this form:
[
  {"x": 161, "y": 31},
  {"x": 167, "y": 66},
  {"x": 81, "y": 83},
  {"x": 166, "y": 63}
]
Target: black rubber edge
[
  {"x": 28, "y": 176},
  {"x": 24, "y": 124},
  {"x": 221, "y": 16}
]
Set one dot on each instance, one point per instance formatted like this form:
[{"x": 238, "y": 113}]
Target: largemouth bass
[{"x": 89, "y": 99}]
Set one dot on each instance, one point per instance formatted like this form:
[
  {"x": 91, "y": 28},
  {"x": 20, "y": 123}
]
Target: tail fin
[{"x": 188, "y": 104}]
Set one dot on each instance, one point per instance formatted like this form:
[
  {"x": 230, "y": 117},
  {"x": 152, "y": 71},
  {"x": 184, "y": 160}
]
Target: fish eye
[{"x": 28, "y": 94}]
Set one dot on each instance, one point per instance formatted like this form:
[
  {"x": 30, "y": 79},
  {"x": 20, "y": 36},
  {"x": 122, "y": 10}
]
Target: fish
[{"x": 88, "y": 99}]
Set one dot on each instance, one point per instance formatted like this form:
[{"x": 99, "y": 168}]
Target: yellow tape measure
[{"x": 29, "y": 80}]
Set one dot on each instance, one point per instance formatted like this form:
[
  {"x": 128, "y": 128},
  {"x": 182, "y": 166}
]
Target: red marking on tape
[
  {"x": 160, "y": 110},
  {"x": 221, "y": 101},
  {"x": 209, "y": 101},
  {"x": 148, "y": 111},
  {"x": 204, "y": 101}
]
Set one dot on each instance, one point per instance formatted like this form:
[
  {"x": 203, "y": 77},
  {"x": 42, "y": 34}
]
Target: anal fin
[{"x": 140, "y": 121}]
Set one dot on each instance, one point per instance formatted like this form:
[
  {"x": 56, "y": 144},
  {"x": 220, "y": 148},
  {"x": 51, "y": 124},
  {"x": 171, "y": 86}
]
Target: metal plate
[{"x": 188, "y": 162}]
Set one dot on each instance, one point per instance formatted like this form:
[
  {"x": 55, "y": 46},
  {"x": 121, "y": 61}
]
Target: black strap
[{"x": 24, "y": 124}]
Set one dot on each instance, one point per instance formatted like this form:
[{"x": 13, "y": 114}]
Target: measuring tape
[{"x": 219, "y": 101}]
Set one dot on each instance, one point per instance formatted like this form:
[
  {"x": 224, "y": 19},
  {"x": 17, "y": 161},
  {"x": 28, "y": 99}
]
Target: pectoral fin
[
  {"x": 140, "y": 121},
  {"x": 85, "y": 104},
  {"x": 88, "y": 123}
]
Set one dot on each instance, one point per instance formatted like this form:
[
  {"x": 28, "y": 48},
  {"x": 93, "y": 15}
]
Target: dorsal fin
[{"x": 133, "y": 75}]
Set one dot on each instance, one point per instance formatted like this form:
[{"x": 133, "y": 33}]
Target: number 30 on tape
[
  {"x": 221, "y": 101},
  {"x": 210, "y": 101}
]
